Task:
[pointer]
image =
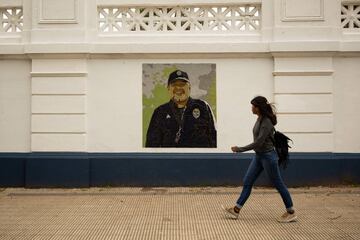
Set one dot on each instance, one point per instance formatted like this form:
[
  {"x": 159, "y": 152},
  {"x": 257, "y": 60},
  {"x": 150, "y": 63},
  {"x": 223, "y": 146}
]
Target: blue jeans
[{"x": 269, "y": 162}]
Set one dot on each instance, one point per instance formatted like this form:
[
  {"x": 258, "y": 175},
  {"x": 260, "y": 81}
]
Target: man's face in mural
[{"x": 179, "y": 90}]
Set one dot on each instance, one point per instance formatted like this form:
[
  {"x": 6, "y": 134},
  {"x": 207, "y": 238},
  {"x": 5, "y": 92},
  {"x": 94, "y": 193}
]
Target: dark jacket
[{"x": 198, "y": 126}]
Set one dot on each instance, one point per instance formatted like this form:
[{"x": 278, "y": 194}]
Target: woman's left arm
[{"x": 265, "y": 129}]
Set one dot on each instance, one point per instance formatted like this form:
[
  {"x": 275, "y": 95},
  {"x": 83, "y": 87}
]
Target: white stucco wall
[
  {"x": 15, "y": 112},
  {"x": 346, "y": 104},
  {"x": 114, "y": 103},
  {"x": 67, "y": 85}
]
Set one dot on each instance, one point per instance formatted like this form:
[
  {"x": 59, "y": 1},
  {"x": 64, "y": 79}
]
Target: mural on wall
[{"x": 179, "y": 105}]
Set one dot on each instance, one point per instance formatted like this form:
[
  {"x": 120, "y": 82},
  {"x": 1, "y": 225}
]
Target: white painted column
[
  {"x": 303, "y": 89},
  {"x": 303, "y": 73},
  {"x": 58, "y": 105},
  {"x": 58, "y": 81}
]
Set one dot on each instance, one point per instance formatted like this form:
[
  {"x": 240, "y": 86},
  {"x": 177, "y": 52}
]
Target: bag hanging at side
[{"x": 281, "y": 144}]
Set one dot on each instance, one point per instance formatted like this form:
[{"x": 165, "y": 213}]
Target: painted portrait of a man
[{"x": 183, "y": 119}]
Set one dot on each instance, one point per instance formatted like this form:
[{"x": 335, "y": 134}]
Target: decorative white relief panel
[
  {"x": 350, "y": 15},
  {"x": 55, "y": 11},
  {"x": 302, "y": 10},
  {"x": 11, "y": 19},
  {"x": 232, "y": 18}
]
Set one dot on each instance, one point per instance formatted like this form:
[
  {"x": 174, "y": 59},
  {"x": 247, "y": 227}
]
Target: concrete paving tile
[
  {"x": 175, "y": 213},
  {"x": 6, "y": 237},
  {"x": 42, "y": 237}
]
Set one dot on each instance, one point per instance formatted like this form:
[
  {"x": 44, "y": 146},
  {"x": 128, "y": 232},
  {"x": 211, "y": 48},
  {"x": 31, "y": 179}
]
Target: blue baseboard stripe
[{"x": 48, "y": 169}]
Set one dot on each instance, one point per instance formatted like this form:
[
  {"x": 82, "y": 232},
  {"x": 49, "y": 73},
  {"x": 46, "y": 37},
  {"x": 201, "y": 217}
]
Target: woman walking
[{"x": 265, "y": 159}]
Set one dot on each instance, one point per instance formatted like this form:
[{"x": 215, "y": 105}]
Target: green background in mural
[{"x": 155, "y": 93}]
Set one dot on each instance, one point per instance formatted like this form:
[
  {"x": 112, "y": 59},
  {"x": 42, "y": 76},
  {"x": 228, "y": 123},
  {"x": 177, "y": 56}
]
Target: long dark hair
[{"x": 266, "y": 109}]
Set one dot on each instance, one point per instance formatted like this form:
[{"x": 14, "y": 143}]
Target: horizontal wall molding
[
  {"x": 60, "y": 132},
  {"x": 58, "y": 74},
  {"x": 307, "y": 132},
  {"x": 83, "y": 169},
  {"x": 303, "y": 93},
  {"x": 172, "y": 2},
  {"x": 305, "y": 113},
  {"x": 39, "y": 114},
  {"x": 303, "y": 73},
  {"x": 135, "y": 48},
  {"x": 58, "y": 94}
]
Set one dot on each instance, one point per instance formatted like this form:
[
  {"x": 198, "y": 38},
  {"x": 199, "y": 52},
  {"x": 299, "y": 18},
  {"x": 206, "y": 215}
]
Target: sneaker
[
  {"x": 230, "y": 212},
  {"x": 287, "y": 217}
]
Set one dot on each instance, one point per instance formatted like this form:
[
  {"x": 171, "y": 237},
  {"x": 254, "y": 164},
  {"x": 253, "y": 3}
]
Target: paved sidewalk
[{"x": 175, "y": 213}]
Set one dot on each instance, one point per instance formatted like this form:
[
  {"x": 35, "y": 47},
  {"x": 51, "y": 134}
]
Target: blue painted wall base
[{"x": 33, "y": 170}]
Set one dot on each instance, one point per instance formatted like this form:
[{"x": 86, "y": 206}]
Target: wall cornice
[{"x": 228, "y": 49}]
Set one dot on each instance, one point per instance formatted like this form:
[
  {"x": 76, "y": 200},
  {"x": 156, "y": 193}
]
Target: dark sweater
[{"x": 263, "y": 132}]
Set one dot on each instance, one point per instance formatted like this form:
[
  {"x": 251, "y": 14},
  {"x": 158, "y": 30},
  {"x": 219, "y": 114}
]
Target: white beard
[{"x": 179, "y": 98}]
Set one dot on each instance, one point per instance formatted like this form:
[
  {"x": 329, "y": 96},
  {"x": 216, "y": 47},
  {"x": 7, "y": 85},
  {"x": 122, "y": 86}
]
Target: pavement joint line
[{"x": 162, "y": 193}]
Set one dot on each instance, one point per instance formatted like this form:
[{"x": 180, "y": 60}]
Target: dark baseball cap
[{"x": 178, "y": 75}]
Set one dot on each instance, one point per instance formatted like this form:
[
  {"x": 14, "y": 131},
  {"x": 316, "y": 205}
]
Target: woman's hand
[{"x": 235, "y": 149}]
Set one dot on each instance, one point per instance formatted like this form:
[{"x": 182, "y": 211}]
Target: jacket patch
[{"x": 196, "y": 113}]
